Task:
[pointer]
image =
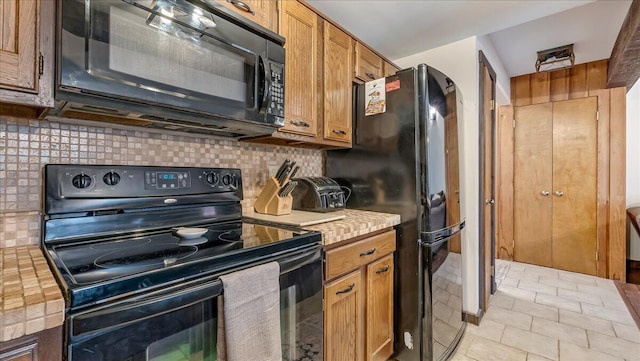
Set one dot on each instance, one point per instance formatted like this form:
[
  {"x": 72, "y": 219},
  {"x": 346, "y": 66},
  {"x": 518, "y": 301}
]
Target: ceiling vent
[{"x": 558, "y": 58}]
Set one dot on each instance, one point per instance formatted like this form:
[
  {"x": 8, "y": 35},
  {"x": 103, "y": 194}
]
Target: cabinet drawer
[{"x": 347, "y": 258}]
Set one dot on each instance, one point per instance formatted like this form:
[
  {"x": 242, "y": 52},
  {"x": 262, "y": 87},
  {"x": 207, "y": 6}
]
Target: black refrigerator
[{"x": 405, "y": 160}]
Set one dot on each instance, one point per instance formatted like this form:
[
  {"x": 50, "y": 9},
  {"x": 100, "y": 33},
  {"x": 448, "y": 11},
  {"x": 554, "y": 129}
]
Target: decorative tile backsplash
[{"x": 27, "y": 145}]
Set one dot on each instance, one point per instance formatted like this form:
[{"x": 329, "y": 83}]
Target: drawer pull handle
[
  {"x": 242, "y": 5},
  {"x": 368, "y": 253},
  {"x": 370, "y": 75},
  {"x": 339, "y": 131},
  {"x": 300, "y": 123},
  {"x": 346, "y": 290},
  {"x": 383, "y": 269}
]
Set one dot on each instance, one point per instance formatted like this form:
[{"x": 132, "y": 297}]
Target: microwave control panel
[{"x": 276, "y": 91}]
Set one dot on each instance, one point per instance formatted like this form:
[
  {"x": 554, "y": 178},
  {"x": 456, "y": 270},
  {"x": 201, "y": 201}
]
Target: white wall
[
  {"x": 503, "y": 81},
  {"x": 459, "y": 61},
  {"x": 633, "y": 145}
]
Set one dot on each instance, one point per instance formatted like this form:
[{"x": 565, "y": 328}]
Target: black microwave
[{"x": 185, "y": 65}]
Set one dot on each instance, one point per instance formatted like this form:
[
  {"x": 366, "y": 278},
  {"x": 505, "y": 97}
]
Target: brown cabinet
[
  {"x": 379, "y": 306},
  {"x": 389, "y": 69},
  {"x": 344, "y": 318},
  {"x": 26, "y": 52},
  {"x": 368, "y": 65},
  {"x": 263, "y": 12},
  {"x": 299, "y": 26},
  {"x": 359, "y": 299},
  {"x": 42, "y": 346},
  {"x": 337, "y": 92}
]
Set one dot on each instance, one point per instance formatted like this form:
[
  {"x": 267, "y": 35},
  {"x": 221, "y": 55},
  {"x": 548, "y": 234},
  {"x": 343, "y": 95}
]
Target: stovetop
[
  {"x": 110, "y": 231},
  {"x": 96, "y": 271}
]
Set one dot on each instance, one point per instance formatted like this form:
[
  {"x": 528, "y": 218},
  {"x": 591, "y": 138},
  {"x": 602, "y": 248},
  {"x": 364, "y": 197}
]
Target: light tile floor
[{"x": 540, "y": 313}]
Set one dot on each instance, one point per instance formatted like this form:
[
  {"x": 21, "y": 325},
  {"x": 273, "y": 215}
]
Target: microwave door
[{"x": 162, "y": 54}]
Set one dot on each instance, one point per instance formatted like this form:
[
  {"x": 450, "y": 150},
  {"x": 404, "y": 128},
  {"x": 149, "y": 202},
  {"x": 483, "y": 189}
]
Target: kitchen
[{"x": 32, "y": 143}]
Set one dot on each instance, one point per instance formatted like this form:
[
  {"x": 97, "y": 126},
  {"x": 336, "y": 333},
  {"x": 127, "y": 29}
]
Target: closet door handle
[
  {"x": 545, "y": 193},
  {"x": 559, "y": 193}
]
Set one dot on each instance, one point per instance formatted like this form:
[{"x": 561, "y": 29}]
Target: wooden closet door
[
  {"x": 574, "y": 184},
  {"x": 532, "y": 184}
]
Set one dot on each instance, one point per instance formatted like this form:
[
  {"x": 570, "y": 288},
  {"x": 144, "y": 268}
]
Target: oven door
[
  {"x": 181, "y": 323},
  {"x": 166, "y": 53}
]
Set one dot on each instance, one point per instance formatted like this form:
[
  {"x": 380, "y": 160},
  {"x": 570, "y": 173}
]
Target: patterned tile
[{"x": 27, "y": 145}]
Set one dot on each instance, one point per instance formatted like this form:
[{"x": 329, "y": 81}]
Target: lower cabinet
[
  {"x": 42, "y": 346},
  {"x": 358, "y": 296}
]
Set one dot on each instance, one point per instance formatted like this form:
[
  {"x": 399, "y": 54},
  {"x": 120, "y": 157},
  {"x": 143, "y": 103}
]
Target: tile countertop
[
  {"x": 356, "y": 223},
  {"x": 30, "y": 300}
]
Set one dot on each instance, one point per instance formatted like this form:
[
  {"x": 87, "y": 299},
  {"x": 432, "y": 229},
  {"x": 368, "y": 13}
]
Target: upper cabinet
[
  {"x": 319, "y": 77},
  {"x": 263, "y": 12},
  {"x": 368, "y": 65},
  {"x": 337, "y": 60},
  {"x": 26, "y": 52},
  {"x": 299, "y": 26},
  {"x": 389, "y": 69}
]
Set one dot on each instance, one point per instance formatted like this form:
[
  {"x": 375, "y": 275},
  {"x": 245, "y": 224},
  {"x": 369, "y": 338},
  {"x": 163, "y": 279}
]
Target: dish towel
[{"x": 249, "y": 317}]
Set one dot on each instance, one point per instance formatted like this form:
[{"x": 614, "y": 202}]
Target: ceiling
[{"x": 517, "y": 29}]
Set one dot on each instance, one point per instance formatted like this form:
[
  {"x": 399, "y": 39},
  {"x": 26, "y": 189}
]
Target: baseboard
[{"x": 471, "y": 318}]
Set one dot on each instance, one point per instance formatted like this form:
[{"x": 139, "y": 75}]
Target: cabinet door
[
  {"x": 343, "y": 318},
  {"x": 299, "y": 26},
  {"x": 263, "y": 12},
  {"x": 19, "y": 58},
  {"x": 389, "y": 69},
  {"x": 379, "y": 305},
  {"x": 338, "y": 55},
  {"x": 368, "y": 64}
]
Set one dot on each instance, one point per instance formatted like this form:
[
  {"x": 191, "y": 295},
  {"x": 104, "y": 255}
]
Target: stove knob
[
  {"x": 81, "y": 181},
  {"x": 111, "y": 178},
  {"x": 227, "y": 179},
  {"x": 212, "y": 178}
]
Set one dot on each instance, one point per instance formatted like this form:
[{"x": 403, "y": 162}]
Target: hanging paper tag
[{"x": 375, "y": 96}]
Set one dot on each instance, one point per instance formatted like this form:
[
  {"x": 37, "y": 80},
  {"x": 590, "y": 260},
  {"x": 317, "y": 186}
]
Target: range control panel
[{"x": 107, "y": 181}]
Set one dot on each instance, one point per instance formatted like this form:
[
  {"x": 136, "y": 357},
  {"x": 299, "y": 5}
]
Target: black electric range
[{"x": 111, "y": 232}]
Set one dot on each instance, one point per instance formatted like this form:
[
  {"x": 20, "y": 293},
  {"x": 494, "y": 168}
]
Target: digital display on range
[
  {"x": 167, "y": 176},
  {"x": 167, "y": 180}
]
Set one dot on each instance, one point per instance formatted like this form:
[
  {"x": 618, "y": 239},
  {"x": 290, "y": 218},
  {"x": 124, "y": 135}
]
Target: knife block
[{"x": 269, "y": 202}]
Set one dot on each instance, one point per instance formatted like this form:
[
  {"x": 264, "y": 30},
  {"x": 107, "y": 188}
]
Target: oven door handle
[{"x": 142, "y": 308}]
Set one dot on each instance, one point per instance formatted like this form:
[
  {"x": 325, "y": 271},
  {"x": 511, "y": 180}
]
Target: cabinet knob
[
  {"x": 368, "y": 253},
  {"x": 346, "y": 290},
  {"x": 339, "y": 131},
  {"x": 545, "y": 193},
  {"x": 559, "y": 193},
  {"x": 383, "y": 269}
]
